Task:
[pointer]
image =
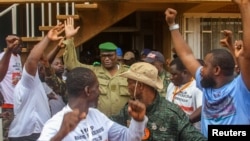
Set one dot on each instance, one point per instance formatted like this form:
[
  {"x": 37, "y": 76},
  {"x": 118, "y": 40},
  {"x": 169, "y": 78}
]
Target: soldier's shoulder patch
[{"x": 96, "y": 64}]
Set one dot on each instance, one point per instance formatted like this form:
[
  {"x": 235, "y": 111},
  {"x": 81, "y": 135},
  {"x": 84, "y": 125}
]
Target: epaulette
[{"x": 96, "y": 64}]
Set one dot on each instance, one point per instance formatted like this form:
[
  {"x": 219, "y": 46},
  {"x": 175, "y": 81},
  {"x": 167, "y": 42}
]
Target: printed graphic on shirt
[
  {"x": 219, "y": 109},
  {"x": 184, "y": 100},
  {"x": 183, "y": 97},
  {"x": 17, "y": 66},
  {"x": 93, "y": 135},
  {"x": 16, "y": 76}
]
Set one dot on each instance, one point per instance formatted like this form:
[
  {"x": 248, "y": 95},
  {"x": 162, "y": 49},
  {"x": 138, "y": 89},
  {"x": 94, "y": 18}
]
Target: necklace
[{"x": 176, "y": 90}]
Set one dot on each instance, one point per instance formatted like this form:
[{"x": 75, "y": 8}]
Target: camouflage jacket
[
  {"x": 55, "y": 83},
  {"x": 166, "y": 122},
  {"x": 165, "y": 77}
]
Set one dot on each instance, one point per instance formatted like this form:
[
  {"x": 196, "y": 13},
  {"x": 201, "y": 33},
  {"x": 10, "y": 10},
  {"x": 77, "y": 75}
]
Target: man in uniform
[
  {"x": 167, "y": 122},
  {"x": 114, "y": 94}
]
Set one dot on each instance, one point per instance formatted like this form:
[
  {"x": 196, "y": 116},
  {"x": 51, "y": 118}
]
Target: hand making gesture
[
  {"x": 54, "y": 33},
  {"x": 137, "y": 110},
  {"x": 70, "y": 31},
  {"x": 12, "y": 42},
  {"x": 228, "y": 40},
  {"x": 238, "y": 47},
  {"x": 170, "y": 16}
]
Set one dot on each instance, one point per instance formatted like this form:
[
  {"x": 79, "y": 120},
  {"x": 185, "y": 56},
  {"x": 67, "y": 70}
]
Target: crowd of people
[{"x": 123, "y": 97}]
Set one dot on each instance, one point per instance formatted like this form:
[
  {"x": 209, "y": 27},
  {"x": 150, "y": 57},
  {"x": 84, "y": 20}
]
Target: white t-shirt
[
  {"x": 31, "y": 107},
  {"x": 11, "y": 78},
  {"x": 96, "y": 127},
  {"x": 55, "y": 104},
  {"x": 188, "y": 99}
]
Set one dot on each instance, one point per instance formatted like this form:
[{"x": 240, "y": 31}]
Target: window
[{"x": 204, "y": 33}]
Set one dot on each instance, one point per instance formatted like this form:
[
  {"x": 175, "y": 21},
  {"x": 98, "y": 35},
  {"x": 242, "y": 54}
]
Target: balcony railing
[{"x": 30, "y": 12}]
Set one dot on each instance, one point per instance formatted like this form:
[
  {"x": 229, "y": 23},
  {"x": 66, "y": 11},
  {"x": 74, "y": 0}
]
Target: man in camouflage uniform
[
  {"x": 167, "y": 122},
  {"x": 157, "y": 59},
  {"x": 114, "y": 94},
  {"x": 54, "y": 70}
]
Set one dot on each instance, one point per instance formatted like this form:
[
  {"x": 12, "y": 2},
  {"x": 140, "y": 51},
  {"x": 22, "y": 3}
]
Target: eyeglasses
[{"x": 110, "y": 56}]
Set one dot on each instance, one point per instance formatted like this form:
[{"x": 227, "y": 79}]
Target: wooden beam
[
  {"x": 94, "y": 22},
  {"x": 45, "y": 28},
  {"x": 214, "y": 15},
  {"x": 133, "y": 1},
  {"x": 121, "y": 29},
  {"x": 208, "y": 7},
  {"x": 31, "y": 39},
  {"x": 86, "y": 6},
  {"x": 39, "y": 1},
  {"x": 64, "y": 17}
]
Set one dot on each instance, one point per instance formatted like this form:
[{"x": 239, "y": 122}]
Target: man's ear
[
  {"x": 86, "y": 90},
  {"x": 217, "y": 70}
]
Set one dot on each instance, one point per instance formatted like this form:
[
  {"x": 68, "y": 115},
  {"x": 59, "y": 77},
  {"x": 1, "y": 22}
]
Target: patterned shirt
[
  {"x": 165, "y": 77},
  {"x": 166, "y": 122},
  {"x": 56, "y": 83}
]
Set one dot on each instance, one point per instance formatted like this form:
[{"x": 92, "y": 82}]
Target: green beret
[{"x": 107, "y": 46}]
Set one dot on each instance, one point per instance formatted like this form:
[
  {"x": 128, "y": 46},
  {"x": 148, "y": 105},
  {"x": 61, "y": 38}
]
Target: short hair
[
  {"x": 179, "y": 65},
  {"x": 77, "y": 79},
  {"x": 224, "y": 60},
  {"x": 201, "y": 62}
]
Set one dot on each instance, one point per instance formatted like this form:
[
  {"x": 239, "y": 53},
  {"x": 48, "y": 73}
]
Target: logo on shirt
[
  {"x": 16, "y": 76},
  {"x": 95, "y": 134},
  {"x": 221, "y": 108}
]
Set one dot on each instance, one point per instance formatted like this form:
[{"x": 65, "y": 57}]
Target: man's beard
[{"x": 207, "y": 82}]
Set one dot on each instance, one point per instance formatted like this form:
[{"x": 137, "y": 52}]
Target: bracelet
[{"x": 174, "y": 27}]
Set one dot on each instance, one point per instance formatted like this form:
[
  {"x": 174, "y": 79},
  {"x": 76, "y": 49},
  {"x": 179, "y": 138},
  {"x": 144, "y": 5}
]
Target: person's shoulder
[
  {"x": 57, "y": 118},
  {"x": 171, "y": 107},
  {"x": 94, "y": 110},
  {"x": 96, "y": 114},
  {"x": 125, "y": 67}
]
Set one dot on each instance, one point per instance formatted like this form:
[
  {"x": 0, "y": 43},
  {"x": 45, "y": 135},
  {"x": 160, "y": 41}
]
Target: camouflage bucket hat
[{"x": 145, "y": 73}]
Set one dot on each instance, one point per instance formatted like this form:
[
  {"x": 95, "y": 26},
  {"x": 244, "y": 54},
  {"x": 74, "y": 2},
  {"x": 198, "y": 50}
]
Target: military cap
[{"x": 107, "y": 46}]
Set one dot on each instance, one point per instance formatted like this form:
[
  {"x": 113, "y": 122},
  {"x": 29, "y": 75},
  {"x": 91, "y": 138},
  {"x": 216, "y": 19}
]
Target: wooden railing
[
  {"x": 49, "y": 10},
  {"x": 12, "y": 8},
  {"x": 30, "y": 16},
  {"x": 157, "y": 1}
]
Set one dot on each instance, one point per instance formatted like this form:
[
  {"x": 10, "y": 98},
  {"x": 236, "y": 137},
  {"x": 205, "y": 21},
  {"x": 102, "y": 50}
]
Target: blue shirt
[{"x": 226, "y": 105}]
